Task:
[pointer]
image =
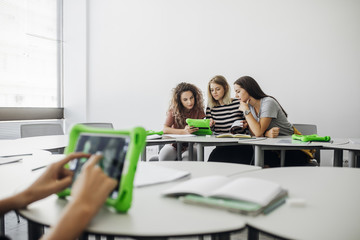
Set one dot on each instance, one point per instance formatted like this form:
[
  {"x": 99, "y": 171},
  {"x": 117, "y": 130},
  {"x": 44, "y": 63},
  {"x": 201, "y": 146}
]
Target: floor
[{"x": 18, "y": 231}]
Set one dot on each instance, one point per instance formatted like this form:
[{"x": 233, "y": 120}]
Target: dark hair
[
  {"x": 175, "y": 103},
  {"x": 254, "y": 90}
]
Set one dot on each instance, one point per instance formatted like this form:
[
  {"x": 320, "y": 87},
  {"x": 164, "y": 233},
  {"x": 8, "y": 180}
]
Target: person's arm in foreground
[
  {"x": 89, "y": 192},
  {"x": 54, "y": 179}
]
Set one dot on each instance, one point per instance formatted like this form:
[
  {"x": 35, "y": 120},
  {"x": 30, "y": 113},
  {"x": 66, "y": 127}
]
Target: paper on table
[
  {"x": 179, "y": 135},
  {"x": 7, "y": 160},
  {"x": 252, "y": 190},
  {"x": 153, "y": 136},
  {"x": 354, "y": 141},
  {"x": 149, "y": 174}
]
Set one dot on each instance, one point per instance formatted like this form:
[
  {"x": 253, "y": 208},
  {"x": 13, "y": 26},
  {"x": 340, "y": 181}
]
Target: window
[{"x": 30, "y": 54}]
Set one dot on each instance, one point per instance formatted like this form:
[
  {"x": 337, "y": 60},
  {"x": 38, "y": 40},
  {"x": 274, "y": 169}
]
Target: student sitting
[
  {"x": 223, "y": 111},
  {"x": 266, "y": 117},
  {"x": 186, "y": 102}
]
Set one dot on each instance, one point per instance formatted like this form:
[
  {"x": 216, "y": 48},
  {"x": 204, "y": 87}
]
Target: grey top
[{"x": 271, "y": 109}]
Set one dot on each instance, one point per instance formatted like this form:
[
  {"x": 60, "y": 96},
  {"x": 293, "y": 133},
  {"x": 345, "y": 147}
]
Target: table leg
[
  {"x": 253, "y": 234},
  {"x": 220, "y": 236},
  {"x": 84, "y": 236},
  {"x": 191, "y": 151},
  {"x": 282, "y": 158},
  {"x": 352, "y": 159},
  {"x": 35, "y": 231},
  {"x": 178, "y": 152},
  {"x": 143, "y": 155},
  {"x": 200, "y": 152},
  {"x": 338, "y": 158},
  {"x": 2, "y": 225},
  {"x": 259, "y": 156}
]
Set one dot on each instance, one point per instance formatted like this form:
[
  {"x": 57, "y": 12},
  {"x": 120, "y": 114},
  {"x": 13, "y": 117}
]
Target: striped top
[{"x": 224, "y": 116}]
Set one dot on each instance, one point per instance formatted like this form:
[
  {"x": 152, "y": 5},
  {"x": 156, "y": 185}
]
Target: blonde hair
[{"x": 220, "y": 80}]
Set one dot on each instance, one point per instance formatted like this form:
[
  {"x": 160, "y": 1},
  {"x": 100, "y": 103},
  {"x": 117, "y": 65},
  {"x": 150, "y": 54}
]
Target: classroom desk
[
  {"x": 331, "y": 209},
  {"x": 284, "y": 143},
  {"x": 353, "y": 146},
  {"x": 25, "y": 146},
  {"x": 15, "y": 175},
  {"x": 154, "y": 142},
  {"x": 50, "y": 142},
  {"x": 151, "y": 215},
  {"x": 12, "y": 148},
  {"x": 281, "y": 143},
  {"x": 203, "y": 141}
]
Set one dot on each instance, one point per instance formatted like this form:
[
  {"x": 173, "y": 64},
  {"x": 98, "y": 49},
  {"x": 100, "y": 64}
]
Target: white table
[
  {"x": 152, "y": 215},
  {"x": 17, "y": 175},
  {"x": 26, "y": 146},
  {"x": 203, "y": 141},
  {"x": 154, "y": 142},
  {"x": 332, "y": 209},
  {"x": 281, "y": 143},
  {"x": 353, "y": 146},
  {"x": 284, "y": 143},
  {"x": 50, "y": 142}
]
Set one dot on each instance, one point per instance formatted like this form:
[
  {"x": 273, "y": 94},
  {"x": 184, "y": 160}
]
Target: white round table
[
  {"x": 331, "y": 207},
  {"x": 152, "y": 215}
]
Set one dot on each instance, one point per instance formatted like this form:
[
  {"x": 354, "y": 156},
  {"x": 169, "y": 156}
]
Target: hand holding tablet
[{"x": 120, "y": 151}]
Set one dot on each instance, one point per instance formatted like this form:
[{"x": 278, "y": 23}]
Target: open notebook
[{"x": 250, "y": 196}]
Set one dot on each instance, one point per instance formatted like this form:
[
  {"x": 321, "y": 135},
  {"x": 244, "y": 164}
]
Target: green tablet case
[
  {"x": 202, "y": 124},
  {"x": 311, "y": 138},
  {"x": 137, "y": 143}
]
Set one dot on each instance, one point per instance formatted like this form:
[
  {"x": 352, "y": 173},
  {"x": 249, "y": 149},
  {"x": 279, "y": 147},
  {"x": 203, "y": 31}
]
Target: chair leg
[{"x": 17, "y": 216}]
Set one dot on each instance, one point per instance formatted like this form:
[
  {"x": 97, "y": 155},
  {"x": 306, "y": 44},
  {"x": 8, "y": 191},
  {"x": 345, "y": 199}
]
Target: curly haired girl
[{"x": 186, "y": 102}]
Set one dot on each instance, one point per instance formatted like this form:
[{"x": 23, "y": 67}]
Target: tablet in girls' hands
[
  {"x": 202, "y": 124},
  {"x": 120, "y": 151}
]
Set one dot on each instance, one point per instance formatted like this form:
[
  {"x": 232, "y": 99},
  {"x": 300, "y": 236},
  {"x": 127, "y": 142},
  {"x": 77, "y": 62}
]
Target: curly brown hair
[{"x": 177, "y": 107}]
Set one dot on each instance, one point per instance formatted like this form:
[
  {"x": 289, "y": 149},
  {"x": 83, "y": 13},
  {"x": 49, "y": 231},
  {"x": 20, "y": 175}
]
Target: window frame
[{"x": 42, "y": 113}]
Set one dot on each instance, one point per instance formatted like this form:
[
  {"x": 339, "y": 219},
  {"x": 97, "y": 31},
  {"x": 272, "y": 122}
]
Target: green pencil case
[
  {"x": 120, "y": 150},
  {"x": 152, "y": 132},
  {"x": 202, "y": 124},
  {"x": 310, "y": 138}
]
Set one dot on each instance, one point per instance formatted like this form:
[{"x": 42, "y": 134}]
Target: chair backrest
[
  {"x": 40, "y": 129},
  {"x": 99, "y": 125},
  {"x": 306, "y": 129}
]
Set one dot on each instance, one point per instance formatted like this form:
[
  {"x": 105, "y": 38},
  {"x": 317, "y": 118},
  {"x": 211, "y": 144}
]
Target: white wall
[
  {"x": 306, "y": 53},
  {"x": 75, "y": 61}
]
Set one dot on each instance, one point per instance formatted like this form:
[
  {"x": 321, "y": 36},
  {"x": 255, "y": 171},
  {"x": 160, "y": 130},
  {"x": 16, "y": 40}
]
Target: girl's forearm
[
  {"x": 254, "y": 126},
  {"x": 169, "y": 130},
  {"x": 15, "y": 202}
]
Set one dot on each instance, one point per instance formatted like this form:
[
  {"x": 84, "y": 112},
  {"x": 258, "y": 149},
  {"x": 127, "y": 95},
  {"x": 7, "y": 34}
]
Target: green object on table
[
  {"x": 152, "y": 132},
  {"x": 310, "y": 138},
  {"x": 202, "y": 124}
]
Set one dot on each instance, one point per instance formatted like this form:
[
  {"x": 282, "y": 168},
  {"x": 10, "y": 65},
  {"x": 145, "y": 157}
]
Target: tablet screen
[{"x": 112, "y": 147}]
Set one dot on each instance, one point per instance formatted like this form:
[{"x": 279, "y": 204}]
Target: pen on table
[{"x": 34, "y": 169}]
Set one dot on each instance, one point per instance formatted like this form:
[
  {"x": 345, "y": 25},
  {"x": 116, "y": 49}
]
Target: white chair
[
  {"x": 308, "y": 129},
  {"x": 40, "y": 129}
]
